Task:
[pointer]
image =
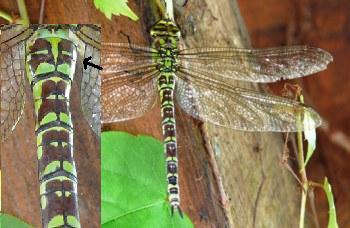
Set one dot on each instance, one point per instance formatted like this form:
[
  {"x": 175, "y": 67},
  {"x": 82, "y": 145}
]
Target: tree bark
[{"x": 256, "y": 189}]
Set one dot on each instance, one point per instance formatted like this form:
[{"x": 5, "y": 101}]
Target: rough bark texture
[{"x": 260, "y": 192}]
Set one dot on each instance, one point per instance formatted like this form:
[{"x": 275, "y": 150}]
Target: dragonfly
[
  {"x": 48, "y": 58},
  {"x": 202, "y": 82}
]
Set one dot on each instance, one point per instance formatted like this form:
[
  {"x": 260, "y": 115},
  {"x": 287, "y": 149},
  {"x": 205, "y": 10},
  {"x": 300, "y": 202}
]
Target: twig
[
  {"x": 285, "y": 157},
  {"x": 23, "y": 12},
  {"x": 301, "y": 163},
  {"x": 313, "y": 207},
  {"x": 6, "y": 16},
  {"x": 42, "y": 10}
]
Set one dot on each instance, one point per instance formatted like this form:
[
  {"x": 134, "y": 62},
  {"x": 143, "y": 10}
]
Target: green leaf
[
  {"x": 133, "y": 182},
  {"x": 116, "y": 7},
  {"x": 332, "y": 221},
  {"x": 10, "y": 221},
  {"x": 310, "y": 136}
]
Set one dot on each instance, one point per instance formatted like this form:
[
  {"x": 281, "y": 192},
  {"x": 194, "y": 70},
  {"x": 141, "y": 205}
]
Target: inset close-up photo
[{"x": 50, "y": 124}]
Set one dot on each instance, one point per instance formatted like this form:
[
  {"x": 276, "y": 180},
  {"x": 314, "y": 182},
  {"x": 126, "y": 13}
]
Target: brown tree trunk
[{"x": 256, "y": 189}]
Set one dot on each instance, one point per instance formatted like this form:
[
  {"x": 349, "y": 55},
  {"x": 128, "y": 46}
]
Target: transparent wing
[
  {"x": 90, "y": 34},
  {"x": 128, "y": 81},
  {"x": 90, "y": 88},
  {"x": 241, "y": 109},
  {"x": 255, "y": 65},
  {"x": 11, "y": 76}
]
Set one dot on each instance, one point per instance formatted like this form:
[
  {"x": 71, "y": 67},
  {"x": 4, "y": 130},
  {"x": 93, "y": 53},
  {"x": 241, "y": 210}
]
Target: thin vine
[{"x": 23, "y": 19}]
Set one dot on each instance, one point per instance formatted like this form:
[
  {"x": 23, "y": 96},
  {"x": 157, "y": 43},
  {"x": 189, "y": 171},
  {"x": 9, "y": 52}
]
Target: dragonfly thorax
[
  {"x": 167, "y": 60},
  {"x": 165, "y": 34}
]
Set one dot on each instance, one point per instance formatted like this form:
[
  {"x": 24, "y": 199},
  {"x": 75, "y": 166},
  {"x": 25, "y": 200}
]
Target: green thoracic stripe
[{"x": 50, "y": 64}]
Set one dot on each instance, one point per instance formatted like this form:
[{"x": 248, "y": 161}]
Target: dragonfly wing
[
  {"x": 241, "y": 109},
  {"x": 255, "y": 65},
  {"x": 128, "y": 81},
  {"x": 90, "y": 88},
  {"x": 90, "y": 34},
  {"x": 128, "y": 52},
  {"x": 11, "y": 76}
]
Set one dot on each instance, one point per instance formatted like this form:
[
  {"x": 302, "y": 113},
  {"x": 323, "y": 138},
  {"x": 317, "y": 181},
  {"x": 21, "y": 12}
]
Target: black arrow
[{"x": 87, "y": 62}]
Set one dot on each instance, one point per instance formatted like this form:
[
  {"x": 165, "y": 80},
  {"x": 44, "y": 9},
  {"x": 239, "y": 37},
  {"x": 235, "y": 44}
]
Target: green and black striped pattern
[
  {"x": 50, "y": 64},
  {"x": 165, "y": 40}
]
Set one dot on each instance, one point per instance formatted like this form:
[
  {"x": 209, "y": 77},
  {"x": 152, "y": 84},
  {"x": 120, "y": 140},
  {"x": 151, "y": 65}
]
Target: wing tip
[
  {"x": 322, "y": 55},
  {"x": 326, "y": 55},
  {"x": 318, "y": 61}
]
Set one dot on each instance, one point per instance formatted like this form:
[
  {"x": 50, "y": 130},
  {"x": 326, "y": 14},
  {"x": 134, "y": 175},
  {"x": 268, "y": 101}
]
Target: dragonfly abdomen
[
  {"x": 166, "y": 85},
  {"x": 165, "y": 40},
  {"x": 50, "y": 63}
]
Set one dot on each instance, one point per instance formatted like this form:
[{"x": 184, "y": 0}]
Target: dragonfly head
[{"x": 165, "y": 28}]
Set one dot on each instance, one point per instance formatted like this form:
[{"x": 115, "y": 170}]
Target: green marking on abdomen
[
  {"x": 43, "y": 73},
  {"x": 59, "y": 178},
  {"x": 40, "y": 152},
  {"x": 66, "y": 118},
  {"x": 50, "y": 117},
  {"x": 39, "y": 137},
  {"x": 73, "y": 221},
  {"x": 69, "y": 167},
  {"x": 50, "y": 168},
  {"x": 44, "y": 68},
  {"x": 56, "y": 221},
  {"x": 58, "y": 193},
  {"x": 64, "y": 68},
  {"x": 56, "y": 165},
  {"x": 43, "y": 202},
  {"x": 54, "y": 144}
]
